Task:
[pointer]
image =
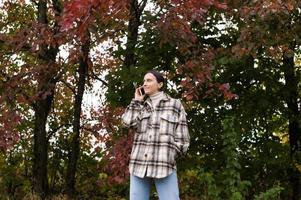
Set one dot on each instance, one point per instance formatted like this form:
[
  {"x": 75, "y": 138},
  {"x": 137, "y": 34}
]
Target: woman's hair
[{"x": 159, "y": 77}]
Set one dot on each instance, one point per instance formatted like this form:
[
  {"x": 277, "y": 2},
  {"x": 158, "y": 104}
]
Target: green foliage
[
  {"x": 270, "y": 194},
  {"x": 13, "y": 182},
  {"x": 198, "y": 184},
  {"x": 234, "y": 144},
  {"x": 120, "y": 85},
  {"x": 235, "y": 189}
]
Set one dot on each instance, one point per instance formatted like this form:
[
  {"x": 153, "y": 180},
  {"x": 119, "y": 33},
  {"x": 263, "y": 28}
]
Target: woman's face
[{"x": 150, "y": 84}]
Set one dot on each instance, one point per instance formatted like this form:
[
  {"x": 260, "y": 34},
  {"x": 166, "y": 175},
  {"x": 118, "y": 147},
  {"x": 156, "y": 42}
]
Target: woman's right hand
[{"x": 138, "y": 95}]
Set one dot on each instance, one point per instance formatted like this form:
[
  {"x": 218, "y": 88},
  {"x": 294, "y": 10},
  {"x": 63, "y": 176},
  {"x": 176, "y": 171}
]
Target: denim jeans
[{"x": 167, "y": 188}]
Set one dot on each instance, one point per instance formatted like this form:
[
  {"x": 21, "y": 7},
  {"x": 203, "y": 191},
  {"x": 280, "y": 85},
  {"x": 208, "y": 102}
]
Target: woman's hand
[{"x": 138, "y": 95}]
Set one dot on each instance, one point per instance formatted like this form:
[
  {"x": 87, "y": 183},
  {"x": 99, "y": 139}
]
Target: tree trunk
[
  {"x": 291, "y": 98},
  {"x": 40, "y": 182},
  {"x": 132, "y": 40},
  {"x": 75, "y": 145},
  {"x": 132, "y": 37},
  {"x": 42, "y": 106}
]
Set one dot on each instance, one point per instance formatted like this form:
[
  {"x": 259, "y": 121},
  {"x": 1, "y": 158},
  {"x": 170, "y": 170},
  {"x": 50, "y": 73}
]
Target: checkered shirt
[{"x": 161, "y": 136}]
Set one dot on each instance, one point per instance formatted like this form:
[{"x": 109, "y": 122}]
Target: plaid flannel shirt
[{"x": 161, "y": 136}]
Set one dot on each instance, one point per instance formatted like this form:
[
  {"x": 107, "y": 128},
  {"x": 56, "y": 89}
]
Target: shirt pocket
[
  {"x": 167, "y": 149},
  {"x": 143, "y": 120},
  {"x": 168, "y": 124}
]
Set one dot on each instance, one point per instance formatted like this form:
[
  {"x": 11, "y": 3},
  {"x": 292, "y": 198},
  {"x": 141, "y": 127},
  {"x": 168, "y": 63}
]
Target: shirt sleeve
[
  {"x": 182, "y": 138},
  {"x": 129, "y": 117}
]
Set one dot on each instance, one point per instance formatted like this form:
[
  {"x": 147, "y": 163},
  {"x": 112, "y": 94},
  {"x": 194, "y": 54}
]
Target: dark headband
[{"x": 158, "y": 76}]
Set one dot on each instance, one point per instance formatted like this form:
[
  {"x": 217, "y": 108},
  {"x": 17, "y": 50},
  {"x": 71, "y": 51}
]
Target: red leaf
[
  {"x": 222, "y": 6},
  {"x": 224, "y": 87}
]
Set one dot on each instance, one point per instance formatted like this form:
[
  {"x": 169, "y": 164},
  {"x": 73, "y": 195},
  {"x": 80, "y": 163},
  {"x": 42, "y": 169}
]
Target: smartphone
[{"x": 142, "y": 92}]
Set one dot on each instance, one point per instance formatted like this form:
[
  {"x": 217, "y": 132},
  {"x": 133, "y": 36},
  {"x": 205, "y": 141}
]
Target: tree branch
[
  {"x": 141, "y": 6},
  {"x": 55, "y": 130},
  {"x": 69, "y": 86},
  {"x": 34, "y": 2},
  {"x": 99, "y": 79},
  {"x": 57, "y": 5},
  {"x": 6, "y": 40}
]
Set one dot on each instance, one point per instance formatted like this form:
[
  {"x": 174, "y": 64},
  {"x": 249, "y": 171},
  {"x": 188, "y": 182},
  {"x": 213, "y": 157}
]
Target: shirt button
[
  {"x": 145, "y": 155},
  {"x": 150, "y": 137}
]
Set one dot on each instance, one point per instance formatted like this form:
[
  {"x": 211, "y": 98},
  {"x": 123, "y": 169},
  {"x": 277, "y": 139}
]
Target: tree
[
  {"x": 46, "y": 86},
  {"x": 43, "y": 48},
  {"x": 229, "y": 63},
  {"x": 75, "y": 145},
  {"x": 266, "y": 24}
]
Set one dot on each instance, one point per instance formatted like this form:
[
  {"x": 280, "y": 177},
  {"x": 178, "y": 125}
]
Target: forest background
[{"x": 234, "y": 64}]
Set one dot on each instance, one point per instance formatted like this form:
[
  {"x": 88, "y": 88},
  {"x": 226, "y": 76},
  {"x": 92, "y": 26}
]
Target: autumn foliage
[{"x": 235, "y": 65}]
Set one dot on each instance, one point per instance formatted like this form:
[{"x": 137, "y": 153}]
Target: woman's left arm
[{"x": 182, "y": 137}]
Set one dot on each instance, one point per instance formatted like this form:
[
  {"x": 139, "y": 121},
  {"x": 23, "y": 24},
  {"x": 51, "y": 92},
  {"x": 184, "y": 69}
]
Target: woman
[{"x": 161, "y": 136}]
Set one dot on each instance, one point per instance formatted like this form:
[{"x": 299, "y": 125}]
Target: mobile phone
[{"x": 142, "y": 91}]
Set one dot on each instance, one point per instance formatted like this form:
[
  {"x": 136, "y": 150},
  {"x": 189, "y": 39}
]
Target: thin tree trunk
[
  {"x": 291, "y": 98},
  {"x": 75, "y": 145},
  {"x": 42, "y": 106},
  {"x": 132, "y": 37},
  {"x": 129, "y": 62},
  {"x": 40, "y": 182}
]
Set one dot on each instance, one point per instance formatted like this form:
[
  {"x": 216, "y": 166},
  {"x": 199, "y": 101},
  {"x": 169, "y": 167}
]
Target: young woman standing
[{"x": 161, "y": 136}]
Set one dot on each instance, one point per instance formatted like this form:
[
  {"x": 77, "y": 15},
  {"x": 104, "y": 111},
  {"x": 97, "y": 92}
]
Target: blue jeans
[{"x": 167, "y": 188}]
